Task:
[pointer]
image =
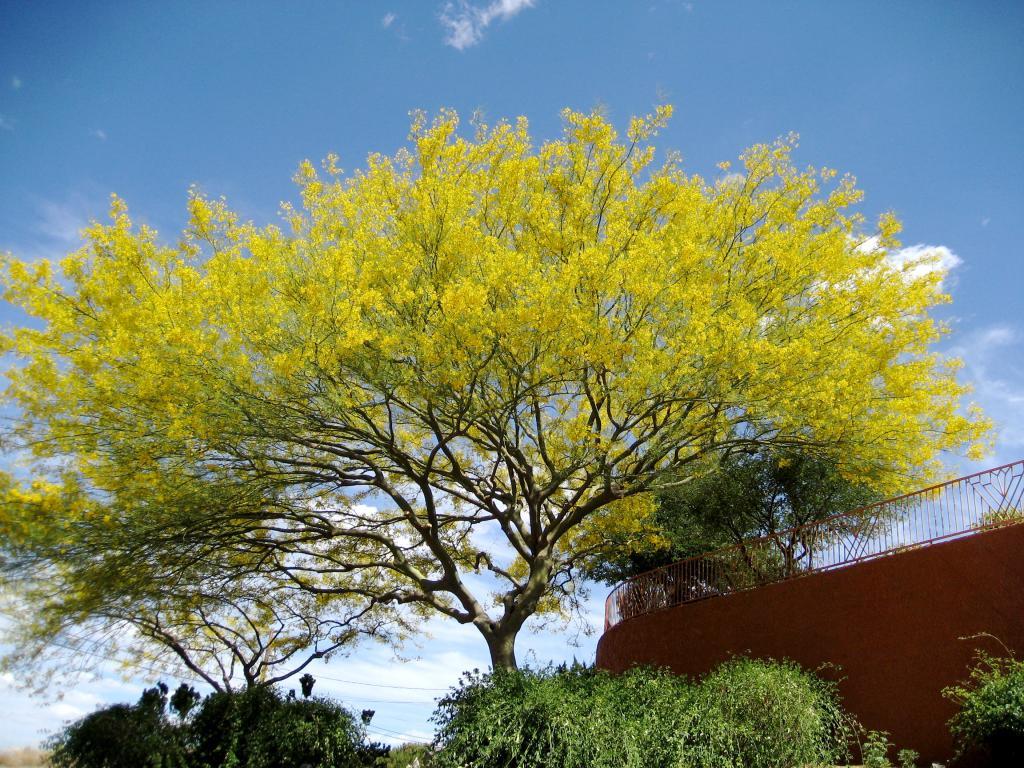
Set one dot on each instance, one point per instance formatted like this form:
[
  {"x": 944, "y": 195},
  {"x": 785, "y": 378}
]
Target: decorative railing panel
[{"x": 942, "y": 512}]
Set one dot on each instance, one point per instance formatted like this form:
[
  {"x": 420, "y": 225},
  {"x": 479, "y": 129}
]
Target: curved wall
[{"x": 892, "y": 625}]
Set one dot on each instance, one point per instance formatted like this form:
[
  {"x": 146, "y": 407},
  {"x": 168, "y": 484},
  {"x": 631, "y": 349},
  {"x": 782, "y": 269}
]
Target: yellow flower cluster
[{"x": 569, "y": 307}]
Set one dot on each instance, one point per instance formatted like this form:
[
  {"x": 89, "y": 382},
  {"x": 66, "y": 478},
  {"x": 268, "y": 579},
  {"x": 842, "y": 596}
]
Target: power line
[
  {"x": 319, "y": 677},
  {"x": 379, "y": 685},
  {"x": 190, "y": 678},
  {"x": 390, "y": 701},
  {"x": 382, "y": 731},
  {"x": 378, "y": 731}
]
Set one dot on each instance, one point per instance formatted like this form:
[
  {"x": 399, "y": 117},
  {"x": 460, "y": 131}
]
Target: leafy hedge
[
  {"x": 260, "y": 729},
  {"x": 990, "y": 720},
  {"x": 256, "y": 728},
  {"x": 748, "y": 713}
]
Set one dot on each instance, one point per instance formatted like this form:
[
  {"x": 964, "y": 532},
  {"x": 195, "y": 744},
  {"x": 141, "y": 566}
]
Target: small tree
[
  {"x": 477, "y": 340},
  {"x": 184, "y": 698},
  {"x": 742, "y": 496},
  {"x": 307, "y": 681}
]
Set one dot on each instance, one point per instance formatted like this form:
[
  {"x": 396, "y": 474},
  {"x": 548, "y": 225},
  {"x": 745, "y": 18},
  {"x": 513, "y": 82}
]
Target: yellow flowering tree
[{"x": 450, "y": 374}]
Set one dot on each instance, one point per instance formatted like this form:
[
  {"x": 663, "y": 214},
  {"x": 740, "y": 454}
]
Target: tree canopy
[
  {"x": 453, "y": 373},
  {"x": 744, "y": 496}
]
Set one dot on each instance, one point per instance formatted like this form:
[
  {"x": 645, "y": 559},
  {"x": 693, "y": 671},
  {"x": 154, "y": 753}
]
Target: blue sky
[{"x": 921, "y": 101}]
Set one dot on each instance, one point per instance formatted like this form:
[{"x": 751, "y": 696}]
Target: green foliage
[
  {"x": 184, "y": 699},
  {"x": 746, "y": 713},
  {"x": 875, "y": 749},
  {"x": 122, "y": 736},
  {"x": 907, "y": 758},
  {"x": 406, "y": 756},
  {"x": 749, "y": 713},
  {"x": 991, "y": 715},
  {"x": 745, "y": 495},
  {"x": 307, "y": 681},
  {"x": 255, "y": 728},
  {"x": 258, "y": 728}
]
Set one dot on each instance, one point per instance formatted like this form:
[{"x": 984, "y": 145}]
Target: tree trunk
[{"x": 501, "y": 642}]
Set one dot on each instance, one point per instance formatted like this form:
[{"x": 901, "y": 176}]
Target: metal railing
[{"x": 956, "y": 508}]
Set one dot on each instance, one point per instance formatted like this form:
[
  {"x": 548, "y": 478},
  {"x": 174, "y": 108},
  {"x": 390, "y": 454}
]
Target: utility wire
[
  {"x": 319, "y": 677},
  {"x": 190, "y": 678},
  {"x": 379, "y": 685},
  {"x": 378, "y": 731}
]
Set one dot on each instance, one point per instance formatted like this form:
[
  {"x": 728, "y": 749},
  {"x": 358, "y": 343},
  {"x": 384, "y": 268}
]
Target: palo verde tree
[{"x": 450, "y": 374}]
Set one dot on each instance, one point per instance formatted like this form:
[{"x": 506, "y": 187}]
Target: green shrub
[
  {"x": 745, "y": 714},
  {"x": 875, "y": 749},
  {"x": 405, "y": 755},
  {"x": 765, "y": 714},
  {"x": 561, "y": 718},
  {"x": 255, "y": 728},
  {"x": 258, "y": 728},
  {"x": 991, "y": 716},
  {"x": 122, "y": 736}
]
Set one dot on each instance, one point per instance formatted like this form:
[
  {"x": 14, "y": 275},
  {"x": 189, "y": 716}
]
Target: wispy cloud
[
  {"x": 923, "y": 259},
  {"x": 99, "y": 133},
  {"x": 992, "y": 366},
  {"x": 16, "y": 83},
  {"x": 917, "y": 260},
  {"x": 6, "y": 123},
  {"x": 466, "y": 23},
  {"x": 388, "y": 20},
  {"x": 55, "y": 229},
  {"x": 62, "y": 222}
]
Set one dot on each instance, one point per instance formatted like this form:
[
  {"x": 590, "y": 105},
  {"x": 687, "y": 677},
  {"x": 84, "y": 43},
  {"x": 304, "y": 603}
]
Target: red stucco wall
[{"x": 891, "y": 624}]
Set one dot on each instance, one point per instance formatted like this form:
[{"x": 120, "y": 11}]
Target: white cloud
[
  {"x": 917, "y": 260},
  {"x": 28, "y": 718},
  {"x": 16, "y": 82},
  {"x": 55, "y": 229},
  {"x": 924, "y": 259},
  {"x": 992, "y": 365},
  {"x": 99, "y": 133},
  {"x": 62, "y": 222},
  {"x": 985, "y": 221},
  {"x": 466, "y": 23},
  {"x": 388, "y": 20}
]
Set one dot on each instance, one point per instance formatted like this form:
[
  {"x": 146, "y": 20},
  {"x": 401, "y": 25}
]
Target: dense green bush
[
  {"x": 258, "y": 728},
  {"x": 558, "y": 717},
  {"x": 745, "y": 714},
  {"x": 755, "y": 713},
  {"x": 122, "y": 736},
  {"x": 255, "y": 728},
  {"x": 406, "y": 755},
  {"x": 991, "y": 716}
]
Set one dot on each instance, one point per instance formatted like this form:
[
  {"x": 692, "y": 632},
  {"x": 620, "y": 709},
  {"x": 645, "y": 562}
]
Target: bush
[
  {"x": 745, "y": 713},
  {"x": 406, "y": 755},
  {"x": 560, "y": 717},
  {"x": 875, "y": 749},
  {"x": 122, "y": 736},
  {"x": 768, "y": 714},
  {"x": 255, "y": 728},
  {"x": 991, "y": 716},
  {"x": 258, "y": 728}
]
